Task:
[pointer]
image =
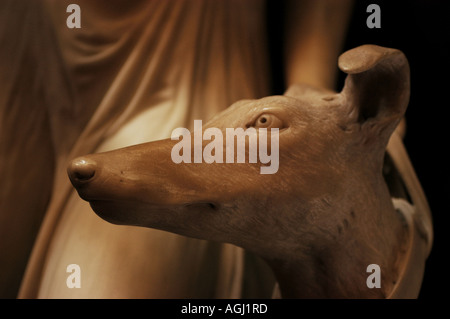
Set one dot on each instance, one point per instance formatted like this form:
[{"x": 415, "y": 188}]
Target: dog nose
[{"x": 81, "y": 170}]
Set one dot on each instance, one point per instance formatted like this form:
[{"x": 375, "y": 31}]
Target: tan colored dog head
[{"x": 328, "y": 188}]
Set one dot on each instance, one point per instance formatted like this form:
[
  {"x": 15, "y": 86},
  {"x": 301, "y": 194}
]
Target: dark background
[{"x": 421, "y": 29}]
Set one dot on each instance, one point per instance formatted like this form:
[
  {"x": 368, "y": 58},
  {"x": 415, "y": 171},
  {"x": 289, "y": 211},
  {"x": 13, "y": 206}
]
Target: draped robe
[{"x": 133, "y": 72}]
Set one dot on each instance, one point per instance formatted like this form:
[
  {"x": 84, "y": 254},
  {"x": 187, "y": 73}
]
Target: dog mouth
[
  {"x": 133, "y": 213},
  {"x": 173, "y": 218}
]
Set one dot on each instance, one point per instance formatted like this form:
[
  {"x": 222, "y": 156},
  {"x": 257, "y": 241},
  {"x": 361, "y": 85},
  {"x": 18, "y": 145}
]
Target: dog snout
[{"x": 81, "y": 170}]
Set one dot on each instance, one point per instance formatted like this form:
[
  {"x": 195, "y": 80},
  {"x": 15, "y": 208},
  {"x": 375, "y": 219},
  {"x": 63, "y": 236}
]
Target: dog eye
[{"x": 268, "y": 121}]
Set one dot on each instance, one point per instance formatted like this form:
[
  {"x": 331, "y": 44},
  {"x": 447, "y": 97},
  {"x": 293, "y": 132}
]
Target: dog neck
[{"x": 334, "y": 264}]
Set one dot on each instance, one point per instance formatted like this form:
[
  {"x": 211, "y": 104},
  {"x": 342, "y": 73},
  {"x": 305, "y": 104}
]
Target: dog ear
[{"x": 376, "y": 90}]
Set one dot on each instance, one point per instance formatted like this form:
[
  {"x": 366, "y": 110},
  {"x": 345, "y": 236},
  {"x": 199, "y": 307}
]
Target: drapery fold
[{"x": 132, "y": 73}]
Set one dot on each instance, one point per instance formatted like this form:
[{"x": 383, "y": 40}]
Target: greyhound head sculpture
[{"x": 319, "y": 220}]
